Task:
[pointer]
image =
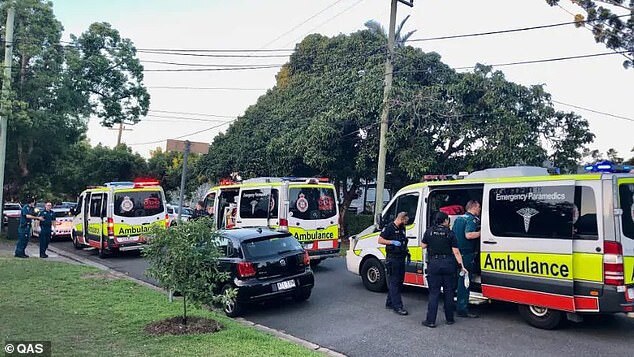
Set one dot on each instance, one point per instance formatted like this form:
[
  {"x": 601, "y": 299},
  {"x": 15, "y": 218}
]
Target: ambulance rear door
[
  {"x": 258, "y": 207},
  {"x": 527, "y": 243},
  {"x": 626, "y": 226}
]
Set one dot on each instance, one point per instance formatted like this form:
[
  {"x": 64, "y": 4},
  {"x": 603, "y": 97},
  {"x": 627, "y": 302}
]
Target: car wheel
[
  {"x": 302, "y": 295},
  {"x": 231, "y": 307},
  {"x": 541, "y": 317},
  {"x": 373, "y": 275},
  {"x": 314, "y": 263}
]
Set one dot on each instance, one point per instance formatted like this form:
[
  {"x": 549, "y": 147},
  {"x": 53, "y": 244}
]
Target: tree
[
  {"x": 167, "y": 167},
  {"x": 399, "y": 39},
  {"x": 608, "y": 24},
  {"x": 613, "y": 156},
  {"x": 106, "y": 68},
  {"x": 184, "y": 258}
]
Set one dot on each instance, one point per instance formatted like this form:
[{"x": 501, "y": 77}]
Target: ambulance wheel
[
  {"x": 231, "y": 307},
  {"x": 373, "y": 275},
  {"x": 541, "y": 317},
  {"x": 76, "y": 243}
]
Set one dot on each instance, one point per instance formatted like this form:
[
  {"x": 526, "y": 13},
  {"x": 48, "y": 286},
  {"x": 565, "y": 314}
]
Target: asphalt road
[{"x": 342, "y": 315}]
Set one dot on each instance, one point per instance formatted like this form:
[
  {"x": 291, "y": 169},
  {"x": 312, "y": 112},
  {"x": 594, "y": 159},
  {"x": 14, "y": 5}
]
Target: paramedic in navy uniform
[{"x": 395, "y": 241}]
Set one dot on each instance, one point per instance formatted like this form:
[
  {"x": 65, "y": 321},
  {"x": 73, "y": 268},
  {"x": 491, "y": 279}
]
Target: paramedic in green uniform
[{"x": 467, "y": 231}]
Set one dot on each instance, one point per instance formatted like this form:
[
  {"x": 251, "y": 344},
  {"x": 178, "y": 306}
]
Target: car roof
[{"x": 242, "y": 234}]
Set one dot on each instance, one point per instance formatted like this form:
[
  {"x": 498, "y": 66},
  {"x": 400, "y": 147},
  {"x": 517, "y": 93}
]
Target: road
[{"x": 342, "y": 315}]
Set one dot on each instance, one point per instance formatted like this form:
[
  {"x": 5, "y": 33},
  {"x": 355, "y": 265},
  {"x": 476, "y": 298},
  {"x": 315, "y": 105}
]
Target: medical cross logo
[{"x": 527, "y": 213}]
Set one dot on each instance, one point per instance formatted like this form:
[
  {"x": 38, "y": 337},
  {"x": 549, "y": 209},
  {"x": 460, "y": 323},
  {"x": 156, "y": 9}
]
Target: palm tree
[{"x": 399, "y": 40}]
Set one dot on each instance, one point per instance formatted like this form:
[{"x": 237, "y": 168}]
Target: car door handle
[
  {"x": 412, "y": 237},
  {"x": 489, "y": 242}
]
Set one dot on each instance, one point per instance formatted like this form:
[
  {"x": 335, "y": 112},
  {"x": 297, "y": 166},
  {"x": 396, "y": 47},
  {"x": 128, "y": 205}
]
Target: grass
[{"x": 84, "y": 313}]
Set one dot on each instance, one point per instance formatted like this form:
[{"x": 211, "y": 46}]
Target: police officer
[
  {"x": 46, "y": 227},
  {"x": 395, "y": 241},
  {"x": 24, "y": 228},
  {"x": 442, "y": 255},
  {"x": 467, "y": 230}
]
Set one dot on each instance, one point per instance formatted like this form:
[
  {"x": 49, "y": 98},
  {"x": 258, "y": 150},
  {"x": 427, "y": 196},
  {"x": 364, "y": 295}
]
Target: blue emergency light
[{"x": 609, "y": 167}]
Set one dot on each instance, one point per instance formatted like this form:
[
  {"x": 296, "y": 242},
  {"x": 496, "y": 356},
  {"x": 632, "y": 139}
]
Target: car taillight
[
  {"x": 167, "y": 220},
  {"x": 110, "y": 228},
  {"x": 283, "y": 224},
  {"x": 246, "y": 269},
  {"x": 306, "y": 258},
  {"x": 613, "y": 264}
]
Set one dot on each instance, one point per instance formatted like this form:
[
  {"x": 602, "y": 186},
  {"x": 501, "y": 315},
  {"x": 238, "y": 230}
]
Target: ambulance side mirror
[{"x": 378, "y": 222}]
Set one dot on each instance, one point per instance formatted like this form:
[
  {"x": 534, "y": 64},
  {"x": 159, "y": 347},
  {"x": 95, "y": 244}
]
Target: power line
[
  {"x": 213, "y": 69},
  {"x": 487, "y": 33},
  {"x": 189, "y": 113},
  {"x": 174, "y": 53},
  {"x": 594, "y": 111},
  {"x": 174, "y": 119},
  {"x": 325, "y": 22},
  {"x": 208, "y": 88},
  {"x": 545, "y": 60},
  {"x": 302, "y": 23},
  {"x": 216, "y": 50},
  {"x": 203, "y": 64},
  {"x": 183, "y": 136}
]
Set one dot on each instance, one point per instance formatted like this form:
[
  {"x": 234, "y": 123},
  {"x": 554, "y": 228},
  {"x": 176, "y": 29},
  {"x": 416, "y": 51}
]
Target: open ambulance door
[{"x": 527, "y": 247}]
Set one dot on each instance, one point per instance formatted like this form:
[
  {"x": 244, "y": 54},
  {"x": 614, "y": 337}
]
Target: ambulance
[
  {"x": 559, "y": 246},
  {"x": 305, "y": 207},
  {"x": 113, "y": 217}
]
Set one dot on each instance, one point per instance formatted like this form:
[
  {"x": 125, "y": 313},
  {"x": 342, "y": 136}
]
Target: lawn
[{"x": 83, "y": 312}]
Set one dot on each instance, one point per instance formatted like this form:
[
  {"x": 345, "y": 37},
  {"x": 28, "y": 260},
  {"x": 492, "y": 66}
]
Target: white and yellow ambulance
[
  {"x": 305, "y": 207},
  {"x": 557, "y": 245},
  {"x": 114, "y": 217}
]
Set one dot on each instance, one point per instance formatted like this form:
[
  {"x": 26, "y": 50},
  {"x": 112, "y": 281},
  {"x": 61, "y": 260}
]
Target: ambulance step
[{"x": 477, "y": 299}]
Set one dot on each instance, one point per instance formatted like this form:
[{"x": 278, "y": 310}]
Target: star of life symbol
[
  {"x": 254, "y": 203},
  {"x": 527, "y": 213},
  {"x": 302, "y": 203},
  {"x": 127, "y": 205}
]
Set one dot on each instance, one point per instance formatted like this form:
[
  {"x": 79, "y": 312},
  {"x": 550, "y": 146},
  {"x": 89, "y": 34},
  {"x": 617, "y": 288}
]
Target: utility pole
[
  {"x": 121, "y": 129},
  {"x": 389, "y": 69},
  {"x": 6, "y": 87},
  {"x": 183, "y": 179}
]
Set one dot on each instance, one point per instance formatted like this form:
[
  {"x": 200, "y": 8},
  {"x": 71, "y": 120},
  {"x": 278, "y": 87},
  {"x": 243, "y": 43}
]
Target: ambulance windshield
[
  {"x": 626, "y": 193},
  {"x": 138, "y": 203},
  {"x": 312, "y": 203}
]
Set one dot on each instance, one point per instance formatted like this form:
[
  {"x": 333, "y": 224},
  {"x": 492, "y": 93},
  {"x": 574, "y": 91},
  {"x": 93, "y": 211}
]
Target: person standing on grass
[
  {"x": 24, "y": 228},
  {"x": 46, "y": 228}
]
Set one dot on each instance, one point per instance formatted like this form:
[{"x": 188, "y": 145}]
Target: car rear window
[
  {"x": 138, "y": 203},
  {"x": 11, "y": 207},
  {"x": 261, "y": 248},
  {"x": 626, "y": 195},
  {"x": 59, "y": 214},
  {"x": 312, "y": 203}
]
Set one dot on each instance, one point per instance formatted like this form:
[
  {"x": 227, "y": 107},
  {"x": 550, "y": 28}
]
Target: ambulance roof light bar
[
  {"x": 607, "y": 167},
  {"x": 118, "y": 183}
]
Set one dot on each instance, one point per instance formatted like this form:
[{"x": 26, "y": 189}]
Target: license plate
[
  {"x": 308, "y": 245},
  {"x": 127, "y": 239},
  {"x": 630, "y": 293},
  {"x": 285, "y": 285}
]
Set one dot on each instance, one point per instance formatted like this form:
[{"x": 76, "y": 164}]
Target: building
[{"x": 179, "y": 146}]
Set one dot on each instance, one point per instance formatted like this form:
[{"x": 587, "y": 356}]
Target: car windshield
[
  {"x": 138, "y": 203},
  {"x": 59, "y": 214},
  {"x": 312, "y": 203},
  {"x": 11, "y": 207},
  {"x": 188, "y": 211},
  {"x": 626, "y": 196},
  {"x": 261, "y": 248}
]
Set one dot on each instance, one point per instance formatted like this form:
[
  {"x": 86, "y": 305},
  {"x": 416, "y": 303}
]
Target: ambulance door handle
[
  {"x": 238, "y": 221},
  {"x": 489, "y": 242},
  {"x": 320, "y": 228}
]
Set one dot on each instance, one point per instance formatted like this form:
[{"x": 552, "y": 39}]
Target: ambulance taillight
[
  {"x": 613, "y": 264},
  {"x": 110, "y": 228},
  {"x": 283, "y": 224},
  {"x": 167, "y": 220}
]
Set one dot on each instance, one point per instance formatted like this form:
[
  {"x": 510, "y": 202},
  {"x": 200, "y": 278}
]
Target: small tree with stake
[{"x": 184, "y": 258}]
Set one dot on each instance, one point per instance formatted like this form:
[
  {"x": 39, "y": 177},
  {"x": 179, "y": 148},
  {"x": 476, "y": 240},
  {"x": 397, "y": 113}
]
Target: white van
[{"x": 557, "y": 245}]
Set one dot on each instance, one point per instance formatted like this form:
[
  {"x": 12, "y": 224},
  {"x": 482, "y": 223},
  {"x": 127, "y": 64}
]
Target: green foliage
[
  {"x": 184, "y": 258},
  {"x": 167, "y": 167},
  {"x": 607, "y": 25},
  {"x": 355, "y": 223}
]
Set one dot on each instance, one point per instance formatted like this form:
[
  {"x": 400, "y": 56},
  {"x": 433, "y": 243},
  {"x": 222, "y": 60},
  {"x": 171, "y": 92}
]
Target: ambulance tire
[
  {"x": 76, "y": 243},
  {"x": 541, "y": 317},
  {"x": 373, "y": 275}
]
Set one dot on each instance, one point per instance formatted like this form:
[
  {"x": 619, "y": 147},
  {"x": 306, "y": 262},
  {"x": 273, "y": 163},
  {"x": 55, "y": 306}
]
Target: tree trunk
[
  {"x": 347, "y": 199},
  {"x": 23, "y": 158},
  {"x": 184, "y": 309}
]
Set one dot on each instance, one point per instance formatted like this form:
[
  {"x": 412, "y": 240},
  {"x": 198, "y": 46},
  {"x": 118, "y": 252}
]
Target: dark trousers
[
  {"x": 23, "y": 240},
  {"x": 395, "y": 276},
  {"x": 468, "y": 261},
  {"x": 45, "y": 238},
  {"x": 441, "y": 272}
]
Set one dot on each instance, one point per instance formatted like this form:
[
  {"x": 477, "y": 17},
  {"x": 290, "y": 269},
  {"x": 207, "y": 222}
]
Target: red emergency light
[{"x": 145, "y": 182}]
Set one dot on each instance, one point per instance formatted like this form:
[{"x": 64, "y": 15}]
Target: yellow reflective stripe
[
  {"x": 382, "y": 250},
  {"x": 370, "y": 235},
  {"x": 587, "y": 266},
  {"x": 628, "y": 269},
  {"x": 357, "y": 252},
  {"x": 556, "y": 266},
  {"x": 310, "y": 235},
  {"x": 94, "y": 228},
  {"x": 79, "y": 227},
  {"x": 126, "y": 230},
  {"x": 416, "y": 253}
]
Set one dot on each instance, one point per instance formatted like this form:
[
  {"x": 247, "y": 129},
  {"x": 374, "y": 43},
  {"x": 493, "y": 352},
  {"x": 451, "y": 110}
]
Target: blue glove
[{"x": 396, "y": 243}]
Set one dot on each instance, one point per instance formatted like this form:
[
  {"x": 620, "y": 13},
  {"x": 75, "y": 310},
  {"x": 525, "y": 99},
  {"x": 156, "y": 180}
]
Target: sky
[{"x": 599, "y": 83}]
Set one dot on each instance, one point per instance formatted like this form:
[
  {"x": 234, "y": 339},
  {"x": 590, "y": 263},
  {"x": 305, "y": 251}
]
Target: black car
[{"x": 264, "y": 265}]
